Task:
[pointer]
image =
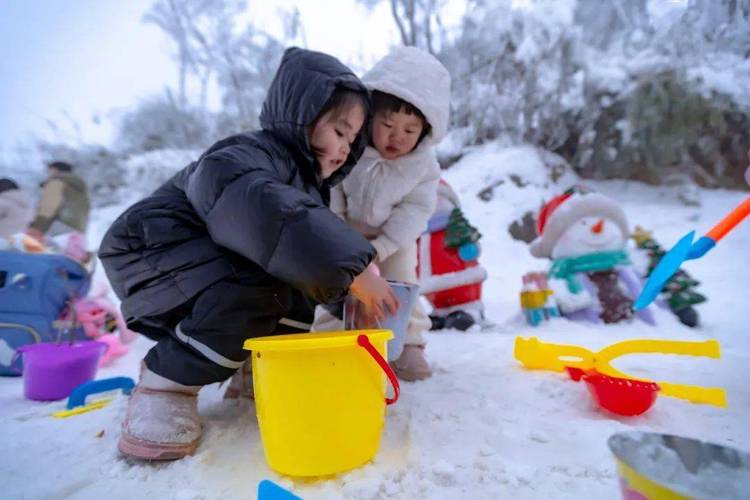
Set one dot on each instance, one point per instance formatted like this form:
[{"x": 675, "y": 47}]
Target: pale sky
[
  {"x": 68, "y": 61},
  {"x": 78, "y": 57}
]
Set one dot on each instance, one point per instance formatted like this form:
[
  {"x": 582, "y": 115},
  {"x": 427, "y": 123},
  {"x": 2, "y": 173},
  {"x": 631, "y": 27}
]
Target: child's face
[
  {"x": 395, "y": 134},
  {"x": 332, "y": 136}
]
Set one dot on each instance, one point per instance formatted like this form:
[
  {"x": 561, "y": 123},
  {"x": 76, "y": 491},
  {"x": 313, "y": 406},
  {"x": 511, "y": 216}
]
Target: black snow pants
[{"x": 200, "y": 342}]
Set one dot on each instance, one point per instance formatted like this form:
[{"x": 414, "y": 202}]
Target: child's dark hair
[
  {"x": 388, "y": 103},
  {"x": 343, "y": 99},
  {"x": 7, "y": 184},
  {"x": 62, "y": 166}
]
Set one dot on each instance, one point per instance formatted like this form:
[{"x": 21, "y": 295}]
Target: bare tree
[
  {"x": 194, "y": 25},
  {"x": 418, "y": 21},
  {"x": 168, "y": 15},
  {"x": 605, "y": 23}
]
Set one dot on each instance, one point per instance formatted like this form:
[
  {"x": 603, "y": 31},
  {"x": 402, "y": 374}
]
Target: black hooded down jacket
[{"x": 252, "y": 205}]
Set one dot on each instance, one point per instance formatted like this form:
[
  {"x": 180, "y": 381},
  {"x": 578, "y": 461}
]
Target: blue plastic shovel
[
  {"x": 686, "y": 250},
  {"x": 668, "y": 265}
]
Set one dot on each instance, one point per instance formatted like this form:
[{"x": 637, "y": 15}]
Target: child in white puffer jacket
[{"x": 391, "y": 193}]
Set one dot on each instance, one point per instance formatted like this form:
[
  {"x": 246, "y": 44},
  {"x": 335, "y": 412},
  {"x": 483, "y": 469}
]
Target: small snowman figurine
[{"x": 585, "y": 235}]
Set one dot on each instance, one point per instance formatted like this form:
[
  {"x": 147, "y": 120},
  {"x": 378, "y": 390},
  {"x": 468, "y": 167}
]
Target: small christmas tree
[
  {"x": 678, "y": 290},
  {"x": 459, "y": 231}
]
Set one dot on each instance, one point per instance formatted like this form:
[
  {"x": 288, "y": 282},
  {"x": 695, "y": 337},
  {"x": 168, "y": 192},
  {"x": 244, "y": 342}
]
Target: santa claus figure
[
  {"x": 585, "y": 234},
  {"x": 450, "y": 276}
]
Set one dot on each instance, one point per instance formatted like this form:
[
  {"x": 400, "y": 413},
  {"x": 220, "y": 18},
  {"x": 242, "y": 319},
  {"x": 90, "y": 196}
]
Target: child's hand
[
  {"x": 375, "y": 293},
  {"x": 35, "y": 233}
]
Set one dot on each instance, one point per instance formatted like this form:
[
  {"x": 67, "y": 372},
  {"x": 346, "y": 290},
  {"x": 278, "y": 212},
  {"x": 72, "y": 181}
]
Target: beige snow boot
[
  {"x": 412, "y": 365},
  {"x": 241, "y": 383},
  {"x": 162, "y": 420}
]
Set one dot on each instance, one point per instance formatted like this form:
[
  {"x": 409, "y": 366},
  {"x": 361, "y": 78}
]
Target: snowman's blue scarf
[{"x": 567, "y": 267}]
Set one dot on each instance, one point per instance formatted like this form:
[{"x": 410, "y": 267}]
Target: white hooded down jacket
[
  {"x": 392, "y": 200},
  {"x": 16, "y": 212}
]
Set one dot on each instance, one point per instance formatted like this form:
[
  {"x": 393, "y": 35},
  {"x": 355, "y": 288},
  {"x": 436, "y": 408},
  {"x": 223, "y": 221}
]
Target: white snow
[{"x": 482, "y": 427}]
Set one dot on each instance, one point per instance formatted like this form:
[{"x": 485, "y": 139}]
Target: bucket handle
[
  {"x": 364, "y": 342},
  {"x": 13, "y": 360}
]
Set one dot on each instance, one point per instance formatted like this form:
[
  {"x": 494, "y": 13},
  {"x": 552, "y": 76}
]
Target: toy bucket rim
[
  {"x": 674, "y": 487},
  {"x": 405, "y": 284},
  {"x": 80, "y": 346},
  {"x": 314, "y": 340}
]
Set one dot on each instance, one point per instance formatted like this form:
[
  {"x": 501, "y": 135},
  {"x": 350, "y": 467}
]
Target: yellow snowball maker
[{"x": 537, "y": 355}]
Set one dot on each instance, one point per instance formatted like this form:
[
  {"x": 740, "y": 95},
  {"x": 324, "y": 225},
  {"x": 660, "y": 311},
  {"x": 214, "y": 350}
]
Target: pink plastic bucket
[{"x": 52, "y": 371}]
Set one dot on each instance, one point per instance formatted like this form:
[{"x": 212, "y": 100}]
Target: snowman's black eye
[{"x": 583, "y": 222}]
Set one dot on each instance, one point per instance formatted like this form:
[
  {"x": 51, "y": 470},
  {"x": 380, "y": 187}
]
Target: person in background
[
  {"x": 16, "y": 211},
  {"x": 64, "y": 203}
]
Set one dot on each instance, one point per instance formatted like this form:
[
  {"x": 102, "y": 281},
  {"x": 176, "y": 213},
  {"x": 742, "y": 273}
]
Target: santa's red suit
[{"x": 450, "y": 278}]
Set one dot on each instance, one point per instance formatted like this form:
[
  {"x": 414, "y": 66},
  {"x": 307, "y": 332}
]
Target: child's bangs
[
  {"x": 383, "y": 102},
  {"x": 389, "y": 103},
  {"x": 342, "y": 101}
]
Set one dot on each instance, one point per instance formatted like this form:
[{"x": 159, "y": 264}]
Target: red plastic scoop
[{"x": 623, "y": 396}]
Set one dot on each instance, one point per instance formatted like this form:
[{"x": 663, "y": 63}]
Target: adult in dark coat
[{"x": 240, "y": 243}]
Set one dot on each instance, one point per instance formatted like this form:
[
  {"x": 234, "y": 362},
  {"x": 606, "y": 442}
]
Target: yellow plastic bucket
[{"x": 320, "y": 399}]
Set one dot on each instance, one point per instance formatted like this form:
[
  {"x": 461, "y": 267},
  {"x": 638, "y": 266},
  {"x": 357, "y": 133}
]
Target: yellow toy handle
[
  {"x": 534, "y": 354},
  {"x": 537, "y": 355},
  {"x": 693, "y": 393},
  {"x": 95, "y": 405},
  {"x": 715, "y": 396},
  {"x": 707, "y": 348}
]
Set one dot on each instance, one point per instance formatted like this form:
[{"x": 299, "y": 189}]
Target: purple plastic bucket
[{"x": 51, "y": 371}]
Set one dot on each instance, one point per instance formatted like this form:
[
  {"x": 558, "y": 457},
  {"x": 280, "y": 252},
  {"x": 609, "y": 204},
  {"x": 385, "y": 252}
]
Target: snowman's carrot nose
[{"x": 597, "y": 228}]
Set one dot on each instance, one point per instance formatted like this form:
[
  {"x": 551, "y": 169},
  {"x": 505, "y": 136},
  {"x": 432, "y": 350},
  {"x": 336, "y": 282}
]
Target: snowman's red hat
[{"x": 564, "y": 210}]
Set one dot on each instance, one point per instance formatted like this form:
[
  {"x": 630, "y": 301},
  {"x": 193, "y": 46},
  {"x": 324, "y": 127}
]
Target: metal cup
[{"x": 356, "y": 317}]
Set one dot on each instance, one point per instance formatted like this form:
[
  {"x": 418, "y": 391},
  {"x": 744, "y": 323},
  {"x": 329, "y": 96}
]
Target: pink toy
[
  {"x": 115, "y": 349},
  {"x": 100, "y": 319},
  {"x": 76, "y": 248}
]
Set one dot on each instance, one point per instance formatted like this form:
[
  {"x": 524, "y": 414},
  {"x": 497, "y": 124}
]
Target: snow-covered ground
[{"x": 481, "y": 427}]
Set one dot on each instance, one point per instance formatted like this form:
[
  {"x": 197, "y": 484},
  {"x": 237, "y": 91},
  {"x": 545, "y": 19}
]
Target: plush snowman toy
[{"x": 585, "y": 236}]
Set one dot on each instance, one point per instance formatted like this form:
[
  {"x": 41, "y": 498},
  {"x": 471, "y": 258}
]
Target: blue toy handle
[
  {"x": 700, "y": 247},
  {"x": 79, "y": 394}
]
